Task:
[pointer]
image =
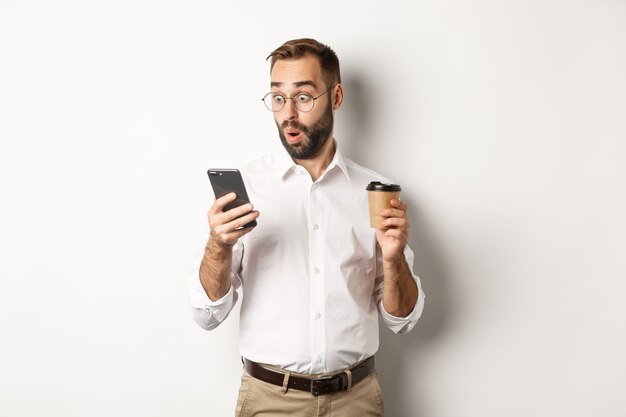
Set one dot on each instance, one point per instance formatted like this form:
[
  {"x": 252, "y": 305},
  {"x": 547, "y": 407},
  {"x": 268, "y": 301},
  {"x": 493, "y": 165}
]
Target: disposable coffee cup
[{"x": 379, "y": 196}]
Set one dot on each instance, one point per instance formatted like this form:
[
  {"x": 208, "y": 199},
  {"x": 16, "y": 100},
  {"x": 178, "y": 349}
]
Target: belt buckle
[{"x": 329, "y": 384}]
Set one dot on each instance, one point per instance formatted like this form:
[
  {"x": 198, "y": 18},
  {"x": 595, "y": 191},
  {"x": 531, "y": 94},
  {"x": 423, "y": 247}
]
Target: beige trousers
[{"x": 261, "y": 399}]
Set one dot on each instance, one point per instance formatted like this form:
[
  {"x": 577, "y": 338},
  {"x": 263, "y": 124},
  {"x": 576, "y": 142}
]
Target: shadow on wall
[
  {"x": 399, "y": 356},
  {"x": 356, "y": 114}
]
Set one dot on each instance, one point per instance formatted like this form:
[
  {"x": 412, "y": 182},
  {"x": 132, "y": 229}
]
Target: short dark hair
[{"x": 297, "y": 48}]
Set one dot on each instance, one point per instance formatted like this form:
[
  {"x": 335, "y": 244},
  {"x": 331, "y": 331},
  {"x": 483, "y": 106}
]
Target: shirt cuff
[
  {"x": 403, "y": 324},
  {"x": 218, "y": 309}
]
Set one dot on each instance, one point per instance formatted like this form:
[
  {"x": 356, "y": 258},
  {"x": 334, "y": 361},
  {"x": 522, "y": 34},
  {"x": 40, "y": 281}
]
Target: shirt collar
[{"x": 283, "y": 163}]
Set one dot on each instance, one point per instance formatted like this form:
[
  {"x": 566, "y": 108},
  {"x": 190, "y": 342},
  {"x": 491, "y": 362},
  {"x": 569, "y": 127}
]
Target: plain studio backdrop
[{"x": 504, "y": 121}]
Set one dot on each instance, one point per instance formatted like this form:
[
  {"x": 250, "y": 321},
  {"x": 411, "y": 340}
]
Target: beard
[{"x": 316, "y": 135}]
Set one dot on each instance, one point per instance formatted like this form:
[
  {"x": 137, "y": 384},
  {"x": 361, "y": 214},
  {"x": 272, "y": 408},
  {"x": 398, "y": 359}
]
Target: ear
[{"x": 337, "y": 96}]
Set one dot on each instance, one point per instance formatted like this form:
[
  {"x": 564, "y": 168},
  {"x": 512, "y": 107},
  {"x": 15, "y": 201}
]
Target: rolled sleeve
[
  {"x": 402, "y": 324},
  {"x": 207, "y": 313}
]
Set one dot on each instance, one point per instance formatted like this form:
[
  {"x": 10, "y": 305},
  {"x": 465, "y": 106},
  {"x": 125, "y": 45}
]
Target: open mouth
[{"x": 292, "y": 135}]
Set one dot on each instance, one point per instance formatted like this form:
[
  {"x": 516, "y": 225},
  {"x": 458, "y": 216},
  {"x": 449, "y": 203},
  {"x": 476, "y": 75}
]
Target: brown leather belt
[{"x": 316, "y": 386}]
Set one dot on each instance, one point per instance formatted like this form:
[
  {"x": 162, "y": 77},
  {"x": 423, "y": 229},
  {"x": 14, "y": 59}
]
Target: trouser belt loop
[
  {"x": 349, "y": 373},
  {"x": 285, "y": 387}
]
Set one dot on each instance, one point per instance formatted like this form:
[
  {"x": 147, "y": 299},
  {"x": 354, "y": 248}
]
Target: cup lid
[{"x": 379, "y": 186}]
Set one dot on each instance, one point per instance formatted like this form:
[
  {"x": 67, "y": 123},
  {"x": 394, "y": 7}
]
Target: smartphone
[{"x": 226, "y": 181}]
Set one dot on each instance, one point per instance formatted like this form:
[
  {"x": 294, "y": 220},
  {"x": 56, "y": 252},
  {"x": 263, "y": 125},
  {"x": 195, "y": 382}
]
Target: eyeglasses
[{"x": 303, "y": 101}]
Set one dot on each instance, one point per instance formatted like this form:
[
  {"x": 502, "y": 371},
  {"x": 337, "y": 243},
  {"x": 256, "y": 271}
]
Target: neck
[{"x": 318, "y": 164}]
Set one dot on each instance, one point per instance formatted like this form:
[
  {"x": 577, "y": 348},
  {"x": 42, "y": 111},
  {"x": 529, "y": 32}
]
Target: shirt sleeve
[
  {"x": 398, "y": 324},
  {"x": 206, "y": 313}
]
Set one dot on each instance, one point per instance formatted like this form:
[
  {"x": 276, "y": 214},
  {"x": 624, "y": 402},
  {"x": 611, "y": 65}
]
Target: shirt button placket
[{"x": 316, "y": 241}]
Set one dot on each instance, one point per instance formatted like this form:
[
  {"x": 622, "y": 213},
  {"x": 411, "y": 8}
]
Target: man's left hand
[{"x": 394, "y": 234}]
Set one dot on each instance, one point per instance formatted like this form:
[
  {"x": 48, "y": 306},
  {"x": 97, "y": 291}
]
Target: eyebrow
[{"x": 296, "y": 84}]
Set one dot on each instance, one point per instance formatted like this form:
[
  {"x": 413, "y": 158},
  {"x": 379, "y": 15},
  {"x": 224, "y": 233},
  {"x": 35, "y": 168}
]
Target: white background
[{"x": 504, "y": 121}]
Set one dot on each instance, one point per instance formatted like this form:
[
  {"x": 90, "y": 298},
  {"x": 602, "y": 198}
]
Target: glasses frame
[{"x": 292, "y": 98}]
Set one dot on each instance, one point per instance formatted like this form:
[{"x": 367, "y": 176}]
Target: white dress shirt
[{"x": 310, "y": 273}]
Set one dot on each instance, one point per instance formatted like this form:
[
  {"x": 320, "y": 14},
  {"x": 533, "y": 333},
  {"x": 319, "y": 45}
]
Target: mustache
[{"x": 295, "y": 125}]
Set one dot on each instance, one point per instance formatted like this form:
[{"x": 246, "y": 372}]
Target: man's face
[{"x": 302, "y": 133}]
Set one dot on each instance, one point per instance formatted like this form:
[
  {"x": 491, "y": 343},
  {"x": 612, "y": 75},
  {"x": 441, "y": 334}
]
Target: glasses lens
[
  {"x": 303, "y": 101},
  {"x": 274, "y": 102}
]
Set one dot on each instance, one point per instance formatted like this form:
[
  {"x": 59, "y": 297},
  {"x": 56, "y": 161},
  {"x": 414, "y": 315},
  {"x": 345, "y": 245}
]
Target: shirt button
[
  {"x": 319, "y": 360},
  {"x": 315, "y": 227},
  {"x": 318, "y": 315},
  {"x": 317, "y": 270}
]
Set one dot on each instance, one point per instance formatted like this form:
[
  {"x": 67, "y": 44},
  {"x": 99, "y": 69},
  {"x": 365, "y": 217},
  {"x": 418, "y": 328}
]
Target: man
[{"x": 313, "y": 274}]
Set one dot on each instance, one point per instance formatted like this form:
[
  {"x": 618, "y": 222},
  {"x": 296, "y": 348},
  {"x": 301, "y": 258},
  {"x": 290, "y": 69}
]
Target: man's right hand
[{"x": 225, "y": 225}]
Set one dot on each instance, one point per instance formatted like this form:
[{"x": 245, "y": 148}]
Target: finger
[
  {"x": 236, "y": 234},
  {"x": 230, "y": 239},
  {"x": 226, "y": 222},
  {"x": 397, "y": 234},
  {"x": 233, "y": 213},
  {"x": 396, "y": 223},
  {"x": 242, "y": 221},
  {"x": 392, "y": 213},
  {"x": 229, "y": 233},
  {"x": 219, "y": 203},
  {"x": 399, "y": 204}
]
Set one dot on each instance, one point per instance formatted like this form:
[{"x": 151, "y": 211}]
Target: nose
[{"x": 290, "y": 110}]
